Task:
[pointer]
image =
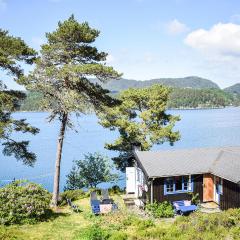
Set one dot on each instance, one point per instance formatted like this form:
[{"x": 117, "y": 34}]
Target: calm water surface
[{"x": 198, "y": 128}]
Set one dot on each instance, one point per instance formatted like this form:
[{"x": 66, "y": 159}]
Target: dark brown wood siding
[
  {"x": 231, "y": 195},
  {"x": 158, "y": 190}
]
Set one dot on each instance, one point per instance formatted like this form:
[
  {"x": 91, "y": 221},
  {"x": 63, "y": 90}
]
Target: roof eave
[{"x": 139, "y": 162}]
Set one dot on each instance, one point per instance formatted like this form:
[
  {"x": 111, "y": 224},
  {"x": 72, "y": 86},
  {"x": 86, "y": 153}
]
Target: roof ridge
[{"x": 220, "y": 148}]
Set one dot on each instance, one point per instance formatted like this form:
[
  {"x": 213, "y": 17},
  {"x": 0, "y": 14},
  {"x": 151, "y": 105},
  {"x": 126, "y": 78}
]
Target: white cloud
[
  {"x": 175, "y": 27},
  {"x": 219, "y": 49},
  {"x": 221, "y": 40},
  {"x": 3, "y": 5}
]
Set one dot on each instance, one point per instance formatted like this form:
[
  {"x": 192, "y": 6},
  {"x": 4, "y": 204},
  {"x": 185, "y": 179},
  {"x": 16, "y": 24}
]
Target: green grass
[{"x": 124, "y": 225}]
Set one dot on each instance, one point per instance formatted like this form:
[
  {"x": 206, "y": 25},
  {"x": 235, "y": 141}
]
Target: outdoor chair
[
  {"x": 105, "y": 197},
  {"x": 184, "y": 207},
  {"x": 95, "y": 203},
  {"x": 74, "y": 207},
  {"x": 93, "y": 196}
]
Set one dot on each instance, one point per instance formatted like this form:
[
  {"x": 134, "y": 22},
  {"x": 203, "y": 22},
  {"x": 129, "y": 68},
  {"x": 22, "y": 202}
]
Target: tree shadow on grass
[{"x": 51, "y": 215}]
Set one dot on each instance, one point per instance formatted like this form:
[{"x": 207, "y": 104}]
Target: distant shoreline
[{"x": 189, "y": 108}]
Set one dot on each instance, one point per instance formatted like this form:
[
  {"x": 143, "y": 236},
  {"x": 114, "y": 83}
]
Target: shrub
[
  {"x": 130, "y": 220},
  {"x": 145, "y": 224},
  {"x": 224, "y": 225},
  {"x": 194, "y": 198},
  {"x": 70, "y": 194},
  {"x": 163, "y": 209},
  {"x": 23, "y": 202},
  {"x": 115, "y": 190},
  {"x": 97, "y": 190}
]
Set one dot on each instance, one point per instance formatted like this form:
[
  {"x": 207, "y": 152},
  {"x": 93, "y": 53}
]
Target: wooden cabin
[{"x": 212, "y": 173}]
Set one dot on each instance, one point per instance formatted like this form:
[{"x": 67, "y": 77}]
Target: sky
[{"x": 145, "y": 39}]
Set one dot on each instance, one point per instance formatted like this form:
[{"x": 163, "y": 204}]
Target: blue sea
[{"x": 198, "y": 128}]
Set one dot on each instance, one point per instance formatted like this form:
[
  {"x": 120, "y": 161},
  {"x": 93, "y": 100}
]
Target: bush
[
  {"x": 70, "y": 194},
  {"x": 97, "y": 190},
  {"x": 130, "y": 220},
  {"x": 163, "y": 209},
  {"x": 115, "y": 190},
  {"x": 194, "y": 198},
  {"x": 23, "y": 202},
  {"x": 145, "y": 224}
]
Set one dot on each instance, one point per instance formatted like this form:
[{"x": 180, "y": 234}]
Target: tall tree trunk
[{"x": 58, "y": 160}]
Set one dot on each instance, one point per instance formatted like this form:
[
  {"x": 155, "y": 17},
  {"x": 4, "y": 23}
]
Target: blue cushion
[
  {"x": 190, "y": 208},
  {"x": 95, "y": 202},
  {"x": 183, "y": 208}
]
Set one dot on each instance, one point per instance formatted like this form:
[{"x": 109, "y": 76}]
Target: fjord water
[{"x": 198, "y": 128}]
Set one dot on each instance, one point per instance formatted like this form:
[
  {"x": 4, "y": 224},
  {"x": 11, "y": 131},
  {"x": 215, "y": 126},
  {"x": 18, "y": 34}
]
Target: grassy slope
[
  {"x": 123, "y": 225},
  {"x": 64, "y": 226}
]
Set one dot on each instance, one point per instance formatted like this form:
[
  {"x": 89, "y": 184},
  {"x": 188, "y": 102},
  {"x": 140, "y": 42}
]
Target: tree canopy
[
  {"x": 89, "y": 172},
  {"x": 67, "y": 61},
  {"x": 141, "y": 120},
  {"x": 14, "y": 51}
]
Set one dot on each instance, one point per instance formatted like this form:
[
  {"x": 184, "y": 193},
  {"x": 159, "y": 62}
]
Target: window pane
[
  {"x": 185, "y": 186},
  {"x": 219, "y": 186},
  {"x": 178, "y": 183},
  {"x": 185, "y": 178},
  {"x": 169, "y": 185},
  {"x": 187, "y": 183}
]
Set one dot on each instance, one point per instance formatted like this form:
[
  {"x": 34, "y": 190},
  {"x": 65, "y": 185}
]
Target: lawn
[{"x": 124, "y": 225}]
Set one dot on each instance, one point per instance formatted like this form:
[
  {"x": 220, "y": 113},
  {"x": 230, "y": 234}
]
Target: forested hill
[
  {"x": 179, "y": 98},
  {"x": 202, "y": 98},
  {"x": 188, "y": 92},
  {"x": 186, "y": 82},
  {"x": 234, "y": 89}
]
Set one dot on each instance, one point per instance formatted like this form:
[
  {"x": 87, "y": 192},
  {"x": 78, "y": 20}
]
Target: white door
[
  {"x": 217, "y": 189},
  {"x": 130, "y": 179},
  {"x": 217, "y": 195}
]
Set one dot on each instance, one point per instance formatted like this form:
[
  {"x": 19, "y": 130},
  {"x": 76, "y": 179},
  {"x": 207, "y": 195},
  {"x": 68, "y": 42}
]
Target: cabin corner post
[{"x": 151, "y": 197}]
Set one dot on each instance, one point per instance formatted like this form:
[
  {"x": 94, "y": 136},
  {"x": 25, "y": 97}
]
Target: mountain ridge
[
  {"x": 188, "y": 92},
  {"x": 234, "y": 89},
  {"x": 184, "y": 82}
]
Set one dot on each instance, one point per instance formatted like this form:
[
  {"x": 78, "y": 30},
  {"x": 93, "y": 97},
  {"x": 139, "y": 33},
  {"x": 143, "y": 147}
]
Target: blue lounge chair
[
  {"x": 95, "y": 203},
  {"x": 184, "y": 207}
]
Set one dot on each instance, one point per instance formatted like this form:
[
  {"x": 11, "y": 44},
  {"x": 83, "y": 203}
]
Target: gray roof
[{"x": 221, "y": 161}]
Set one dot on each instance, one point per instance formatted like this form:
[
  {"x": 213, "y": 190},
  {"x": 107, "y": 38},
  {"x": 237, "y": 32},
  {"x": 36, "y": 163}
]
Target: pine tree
[
  {"x": 62, "y": 74},
  {"x": 14, "y": 51},
  {"x": 141, "y": 120}
]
